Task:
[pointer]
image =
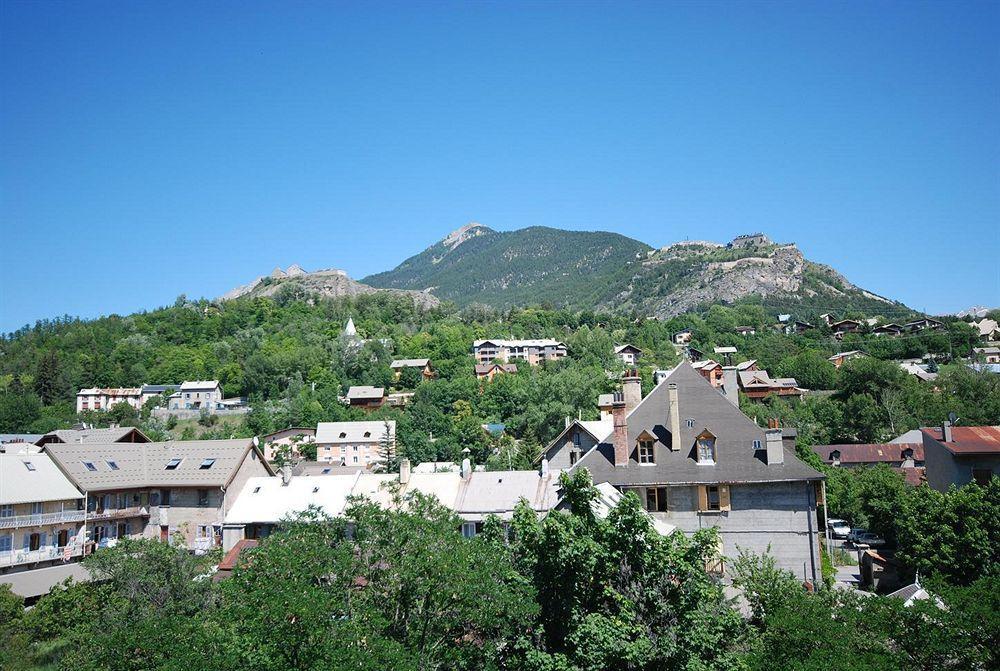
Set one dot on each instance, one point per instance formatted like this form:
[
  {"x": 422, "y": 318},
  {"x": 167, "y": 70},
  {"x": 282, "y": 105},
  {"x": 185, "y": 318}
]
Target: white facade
[
  {"x": 96, "y": 398},
  {"x": 202, "y": 394},
  {"x": 353, "y": 443}
]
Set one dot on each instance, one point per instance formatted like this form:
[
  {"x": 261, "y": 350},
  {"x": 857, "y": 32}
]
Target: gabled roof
[
  {"x": 969, "y": 439},
  {"x": 737, "y": 460},
  {"x": 535, "y": 342},
  {"x": 409, "y": 363},
  {"x": 87, "y": 436},
  {"x": 308, "y": 468},
  {"x": 986, "y": 327},
  {"x": 869, "y": 453},
  {"x": 365, "y": 392},
  {"x": 354, "y": 432},
  {"x": 846, "y": 355},
  {"x": 627, "y": 347},
  {"x": 290, "y": 431},
  {"x": 197, "y": 385},
  {"x": 498, "y": 492},
  {"x": 485, "y": 368},
  {"x": 31, "y": 478},
  {"x": 145, "y": 464}
]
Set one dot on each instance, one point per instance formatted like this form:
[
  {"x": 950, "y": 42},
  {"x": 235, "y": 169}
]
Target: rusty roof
[
  {"x": 228, "y": 562},
  {"x": 969, "y": 439},
  {"x": 869, "y": 453}
]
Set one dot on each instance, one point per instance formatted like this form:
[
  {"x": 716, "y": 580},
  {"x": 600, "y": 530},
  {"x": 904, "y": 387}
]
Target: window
[
  {"x": 713, "y": 498},
  {"x": 62, "y": 538},
  {"x": 368, "y": 434},
  {"x": 113, "y": 465},
  {"x": 982, "y": 476},
  {"x": 154, "y": 498},
  {"x": 469, "y": 529},
  {"x": 343, "y": 435},
  {"x": 164, "y": 497},
  {"x": 202, "y": 498},
  {"x": 7, "y": 510},
  {"x": 204, "y": 531},
  {"x": 173, "y": 464},
  {"x": 576, "y": 438},
  {"x": 656, "y": 499},
  {"x": 756, "y": 444},
  {"x": 36, "y": 508},
  {"x": 30, "y": 466},
  {"x": 34, "y": 542},
  {"x": 706, "y": 448},
  {"x": 89, "y": 465},
  {"x": 355, "y": 459},
  {"x": 5, "y": 544},
  {"x": 206, "y": 464},
  {"x": 646, "y": 450},
  {"x": 690, "y": 422}
]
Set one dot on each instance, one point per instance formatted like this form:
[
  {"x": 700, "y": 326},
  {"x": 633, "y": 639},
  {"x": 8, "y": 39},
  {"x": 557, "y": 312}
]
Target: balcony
[
  {"x": 117, "y": 513},
  {"x": 42, "y": 519},
  {"x": 48, "y": 553}
]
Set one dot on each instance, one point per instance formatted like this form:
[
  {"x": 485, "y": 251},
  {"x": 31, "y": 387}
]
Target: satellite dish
[{"x": 952, "y": 417}]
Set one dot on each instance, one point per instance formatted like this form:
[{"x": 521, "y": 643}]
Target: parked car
[
  {"x": 853, "y": 534},
  {"x": 869, "y": 539},
  {"x": 838, "y": 528}
]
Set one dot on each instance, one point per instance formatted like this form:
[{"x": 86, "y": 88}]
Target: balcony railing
[
  {"x": 47, "y": 553},
  {"x": 117, "y": 513},
  {"x": 19, "y": 521}
]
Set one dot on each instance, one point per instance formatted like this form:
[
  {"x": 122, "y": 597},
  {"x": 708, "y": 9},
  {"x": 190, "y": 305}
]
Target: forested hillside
[{"x": 290, "y": 359}]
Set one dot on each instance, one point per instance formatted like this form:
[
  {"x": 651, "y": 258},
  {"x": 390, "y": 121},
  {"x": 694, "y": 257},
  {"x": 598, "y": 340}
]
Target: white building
[
  {"x": 198, "y": 395},
  {"x": 354, "y": 443},
  {"x": 96, "y": 398}
]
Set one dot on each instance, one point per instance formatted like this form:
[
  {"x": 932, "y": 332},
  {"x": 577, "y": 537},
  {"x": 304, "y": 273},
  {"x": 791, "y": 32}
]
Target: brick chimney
[
  {"x": 775, "y": 450},
  {"x": 631, "y": 389},
  {"x": 675, "y": 417},
  {"x": 404, "y": 471},
  {"x": 619, "y": 437}
]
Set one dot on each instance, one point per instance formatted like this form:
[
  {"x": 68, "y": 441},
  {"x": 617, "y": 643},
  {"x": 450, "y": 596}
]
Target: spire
[{"x": 349, "y": 329}]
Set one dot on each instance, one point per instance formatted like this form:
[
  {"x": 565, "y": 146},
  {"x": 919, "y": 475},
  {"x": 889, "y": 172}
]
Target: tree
[
  {"x": 18, "y": 411},
  {"x": 49, "y": 383}
]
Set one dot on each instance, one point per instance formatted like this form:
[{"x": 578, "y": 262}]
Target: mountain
[
  {"x": 330, "y": 283},
  {"x": 591, "y": 270},
  {"x": 476, "y": 264}
]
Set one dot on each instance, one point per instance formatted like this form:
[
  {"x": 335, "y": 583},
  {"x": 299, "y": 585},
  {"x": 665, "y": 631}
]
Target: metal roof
[
  {"x": 354, "y": 432},
  {"x": 199, "y": 384},
  {"x": 969, "y": 439},
  {"x": 111, "y": 435},
  {"x": 869, "y": 453},
  {"x": 701, "y": 407},
  {"x": 36, "y": 582},
  {"x": 365, "y": 391},
  {"x": 32, "y": 478},
  {"x": 145, "y": 464},
  {"x": 409, "y": 363}
]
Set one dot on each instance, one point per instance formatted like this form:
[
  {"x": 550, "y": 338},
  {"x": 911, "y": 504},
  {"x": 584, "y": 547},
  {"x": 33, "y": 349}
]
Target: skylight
[
  {"x": 343, "y": 435},
  {"x": 30, "y": 466},
  {"x": 256, "y": 489},
  {"x": 315, "y": 489},
  {"x": 113, "y": 465},
  {"x": 325, "y": 471},
  {"x": 89, "y": 465},
  {"x": 206, "y": 464},
  {"x": 173, "y": 464}
]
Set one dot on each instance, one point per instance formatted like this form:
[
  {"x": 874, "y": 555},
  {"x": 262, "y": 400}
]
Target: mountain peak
[{"x": 460, "y": 235}]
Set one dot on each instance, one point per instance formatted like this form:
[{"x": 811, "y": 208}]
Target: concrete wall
[
  {"x": 252, "y": 467},
  {"x": 183, "y": 516},
  {"x": 559, "y": 454},
  {"x": 765, "y": 517}
]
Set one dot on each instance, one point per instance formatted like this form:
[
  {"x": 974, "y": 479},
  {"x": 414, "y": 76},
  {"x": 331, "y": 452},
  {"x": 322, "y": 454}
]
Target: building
[
  {"x": 986, "y": 354},
  {"x": 629, "y": 354},
  {"x": 18, "y": 442},
  {"x": 919, "y": 371},
  {"x": 116, "y": 434},
  {"x": 291, "y": 438},
  {"x": 989, "y": 330},
  {"x": 710, "y": 370},
  {"x": 96, "y": 398},
  {"x": 198, "y": 395},
  {"x": 797, "y": 327},
  {"x": 888, "y": 330},
  {"x": 423, "y": 365},
  {"x": 366, "y": 397},
  {"x": 531, "y": 351},
  {"x": 472, "y": 494},
  {"x": 844, "y": 326},
  {"x": 758, "y": 384},
  {"x": 148, "y": 391},
  {"x": 309, "y": 468},
  {"x": 487, "y": 371},
  {"x": 958, "y": 455},
  {"x": 683, "y": 337},
  {"x": 696, "y": 461},
  {"x": 356, "y": 444},
  {"x": 749, "y": 241},
  {"x": 905, "y": 458},
  {"x": 923, "y": 325},
  {"x": 746, "y": 331},
  {"x": 176, "y": 491},
  {"x": 840, "y": 359},
  {"x": 41, "y": 512}
]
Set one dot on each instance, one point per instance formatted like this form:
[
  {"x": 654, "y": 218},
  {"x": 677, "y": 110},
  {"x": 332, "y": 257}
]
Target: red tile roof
[
  {"x": 969, "y": 439},
  {"x": 228, "y": 562},
  {"x": 870, "y": 453}
]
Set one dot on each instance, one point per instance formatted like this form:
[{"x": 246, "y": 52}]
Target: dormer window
[
  {"x": 645, "y": 448},
  {"x": 706, "y": 448},
  {"x": 756, "y": 444},
  {"x": 368, "y": 434},
  {"x": 835, "y": 457},
  {"x": 690, "y": 423},
  {"x": 343, "y": 435}
]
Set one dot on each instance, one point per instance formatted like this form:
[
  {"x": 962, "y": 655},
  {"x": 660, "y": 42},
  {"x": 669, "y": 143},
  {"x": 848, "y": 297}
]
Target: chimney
[
  {"x": 775, "y": 450},
  {"x": 404, "y": 471},
  {"x": 619, "y": 438},
  {"x": 631, "y": 389},
  {"x": 946, "y": 431},
  {"x": 568, "y": 420},
  {"x": 466, "y": 469},
  {"x": 544, "y": 471},
  {"x": 675, "y": 417},
  {"x": 286, "y": 475},
  {"x": 731, "y": 385}
]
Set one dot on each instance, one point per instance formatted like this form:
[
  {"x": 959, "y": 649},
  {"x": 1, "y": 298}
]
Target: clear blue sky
[{"x": 151, "y": 149}]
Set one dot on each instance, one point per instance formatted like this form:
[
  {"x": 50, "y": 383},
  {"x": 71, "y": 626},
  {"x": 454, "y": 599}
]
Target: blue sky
[{"x": 150, "y": 149}]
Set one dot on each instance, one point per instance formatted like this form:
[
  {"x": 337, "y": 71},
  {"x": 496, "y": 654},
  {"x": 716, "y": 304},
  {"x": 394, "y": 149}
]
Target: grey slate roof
[
  {"x": 91, "y": 435},
  {"x": 39, "y": 581},
  {"x": 736, "y": 459},
  {"x": 144, "y": 464}
]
